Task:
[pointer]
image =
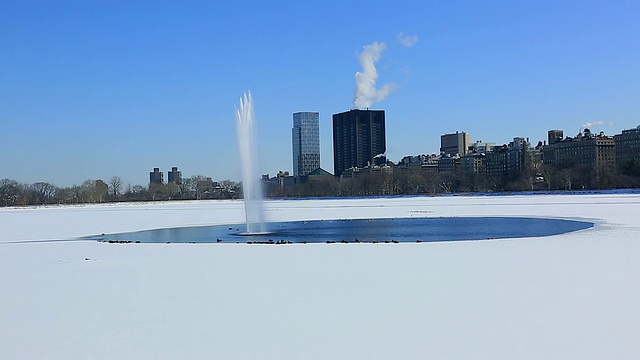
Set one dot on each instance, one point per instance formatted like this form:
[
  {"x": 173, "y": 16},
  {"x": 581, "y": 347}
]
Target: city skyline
[{"x": 93, "y": 90}]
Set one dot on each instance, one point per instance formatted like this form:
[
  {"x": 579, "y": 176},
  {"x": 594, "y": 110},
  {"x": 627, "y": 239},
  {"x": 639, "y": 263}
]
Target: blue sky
[{"x": 93, "y": 89}]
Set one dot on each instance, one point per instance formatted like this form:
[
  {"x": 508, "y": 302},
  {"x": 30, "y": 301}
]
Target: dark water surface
[{"x": 368, "y": 230}]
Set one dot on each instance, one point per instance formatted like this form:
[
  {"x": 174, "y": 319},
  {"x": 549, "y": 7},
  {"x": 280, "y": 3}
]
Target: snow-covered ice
[{"x": 566, "y": 296}]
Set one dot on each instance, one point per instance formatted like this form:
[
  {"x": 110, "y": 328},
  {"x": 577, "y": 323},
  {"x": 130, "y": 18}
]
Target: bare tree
[
  {"x": 157, "y": 191},
  {"x": 548, "y": 173},
  {"x": 346, "y": 186},
  {"x": 174, "y": 191},
  {"x": 230, "y": 188},
  {"x": 10, "y": 192},
  {"x": 76, "y": 194},
  {"x": 566, "y": 175},
  {"x": 447, "y": 181},
  {"x": 64, "y": 195},
  {"x": 325, "y": 186},
  {"x": 93, "y": 191},
  {"x": 115, "y": 186},
  {"x": 191, "y": 187},
  {"x": 43, "y": 192}
]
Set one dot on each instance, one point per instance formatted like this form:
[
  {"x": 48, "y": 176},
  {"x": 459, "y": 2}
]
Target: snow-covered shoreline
[
  {"x": 71, "y": 222},
  {"x": 566, "y": 296}
]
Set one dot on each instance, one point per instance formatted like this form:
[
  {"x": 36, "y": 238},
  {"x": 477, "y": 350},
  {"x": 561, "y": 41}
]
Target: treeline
[
  {"x": 383, "y": 181},
  {"x": 13, "y": 193},
  {"x": 406, "y": 181}
]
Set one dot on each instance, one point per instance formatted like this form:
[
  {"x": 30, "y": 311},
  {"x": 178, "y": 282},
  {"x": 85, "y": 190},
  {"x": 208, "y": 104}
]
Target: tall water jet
[{"x": 251, "y": 184}]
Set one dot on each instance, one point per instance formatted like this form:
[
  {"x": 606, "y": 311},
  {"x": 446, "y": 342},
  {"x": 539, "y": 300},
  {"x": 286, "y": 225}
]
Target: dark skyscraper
[
  {"x": 175, "y": 176},
  {"x": 358, "y": 139},
  {"x": 156, "y": 177}
]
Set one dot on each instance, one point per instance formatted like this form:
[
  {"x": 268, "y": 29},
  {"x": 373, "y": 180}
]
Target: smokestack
[{"x": 366, "y": 93}]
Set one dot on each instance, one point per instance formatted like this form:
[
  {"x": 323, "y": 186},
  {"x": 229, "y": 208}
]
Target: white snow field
[{"x": 571, "y": 296}]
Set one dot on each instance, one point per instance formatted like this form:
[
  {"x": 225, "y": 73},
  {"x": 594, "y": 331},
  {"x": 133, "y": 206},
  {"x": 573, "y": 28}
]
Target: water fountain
[
  {"x": 251, "y": 185},
  {"x": 387, "y": 230}
]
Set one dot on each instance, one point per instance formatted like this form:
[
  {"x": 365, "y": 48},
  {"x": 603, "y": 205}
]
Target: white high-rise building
[{"x": 305, "y": 138}]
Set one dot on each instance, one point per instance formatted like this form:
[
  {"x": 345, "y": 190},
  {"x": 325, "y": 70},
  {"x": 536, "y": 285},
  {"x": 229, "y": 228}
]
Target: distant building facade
[
  {"x": 586, "y": 149},
  {"x": 156, "y": 176},
  {"x": 318, "y": 174},
  {"x": 496, "y": 162},
  {"x": 518, "y": 154},
  {"x": 554, "y": 136},
  {"x": 359, "y": 139},
  {"x": 455, "y": 144},
  {"x": 548, "y": 151},
  {"x": 481, "y": 147},
  {"x": 474, "y": 164},
  {"x": 409, "y": 162},
  {"x": 305, "y": 139},
  {"x": 450, "y": 163},
  {"x": 510, "y": 159},
  {"x": 175, "y": 176},
  {"x": 277, "y": 185},
  {"x": 627, "y": 146}
]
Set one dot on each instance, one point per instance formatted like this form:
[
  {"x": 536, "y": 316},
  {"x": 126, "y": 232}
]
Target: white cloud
[{"x": 407, "y": 40}]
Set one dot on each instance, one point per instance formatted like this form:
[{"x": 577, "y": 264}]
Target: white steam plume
[
  {"x": 589, "y": 125},
  {"x": 366, "y": 92}
]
